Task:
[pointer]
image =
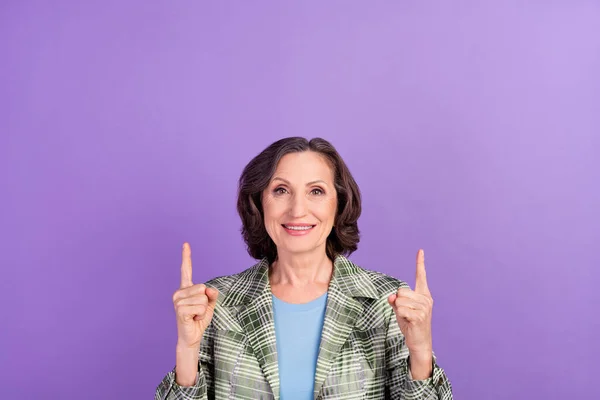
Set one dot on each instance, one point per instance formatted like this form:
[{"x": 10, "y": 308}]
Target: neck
[{"x": 301, "y": 269}]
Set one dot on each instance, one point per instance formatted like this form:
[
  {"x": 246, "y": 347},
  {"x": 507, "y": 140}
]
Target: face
[{"x": 300, "y": 203}]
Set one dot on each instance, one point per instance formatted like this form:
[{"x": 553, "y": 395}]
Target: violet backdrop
[{"x": 472, "y": 128}]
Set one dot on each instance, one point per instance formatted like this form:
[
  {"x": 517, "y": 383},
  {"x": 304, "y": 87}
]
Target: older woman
[{"x": 304, "y": 322}]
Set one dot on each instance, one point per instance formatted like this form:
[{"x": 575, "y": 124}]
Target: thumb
[
  {"x": 421, "y": 278},
  {"x": 213, "y": 295},
  {"x": 392, "y": 298}
]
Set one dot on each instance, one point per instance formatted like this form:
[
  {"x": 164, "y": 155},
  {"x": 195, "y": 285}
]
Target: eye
[
  {"x": 280, "y": 190},
  {"x": 317, "y": 191}
]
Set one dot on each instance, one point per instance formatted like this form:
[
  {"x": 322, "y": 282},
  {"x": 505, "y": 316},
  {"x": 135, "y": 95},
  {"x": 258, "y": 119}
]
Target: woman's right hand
[{"x": 194, "y": 305}]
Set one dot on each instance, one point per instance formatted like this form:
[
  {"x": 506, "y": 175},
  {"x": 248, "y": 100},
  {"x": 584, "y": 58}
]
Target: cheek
[
  {"x": 327, "y": 210},
  {"x": 271, "y": 209}
]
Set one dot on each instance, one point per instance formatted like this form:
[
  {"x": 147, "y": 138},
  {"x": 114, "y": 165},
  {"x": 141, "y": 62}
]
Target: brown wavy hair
[{"x": 257, "y": 175}]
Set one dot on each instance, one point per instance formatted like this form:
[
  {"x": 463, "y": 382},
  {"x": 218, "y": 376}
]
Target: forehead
[{"x": 304, "y": 166}]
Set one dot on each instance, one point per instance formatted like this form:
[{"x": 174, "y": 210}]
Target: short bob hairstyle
[{"x": 257, "y": 175}]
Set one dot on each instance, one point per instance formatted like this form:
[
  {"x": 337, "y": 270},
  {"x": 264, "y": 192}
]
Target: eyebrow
[{"x": 308, "y": 184}]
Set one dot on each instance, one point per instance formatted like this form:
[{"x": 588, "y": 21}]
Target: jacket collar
[
  {"x": 352, "y": 280},
  {"x": 252, "y": 294}
]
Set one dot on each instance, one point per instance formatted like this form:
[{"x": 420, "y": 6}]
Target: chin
[{"x": 298, "y": 248}]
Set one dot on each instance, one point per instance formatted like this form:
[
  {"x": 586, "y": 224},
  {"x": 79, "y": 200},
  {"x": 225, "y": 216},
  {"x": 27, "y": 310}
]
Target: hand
[
  {"x": 194, "y": 305},
  {"x": 413, "y": 313}
]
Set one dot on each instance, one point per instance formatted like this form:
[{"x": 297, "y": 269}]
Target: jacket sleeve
[
  {"x": 203, "y": 389},
  {"x": 399, "y": 383}
]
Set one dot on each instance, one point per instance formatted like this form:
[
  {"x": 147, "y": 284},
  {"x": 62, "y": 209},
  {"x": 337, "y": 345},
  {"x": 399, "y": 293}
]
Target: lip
[{"x": 298, "y": 233}]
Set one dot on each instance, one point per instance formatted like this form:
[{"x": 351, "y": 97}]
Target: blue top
[{"x": 298, "y": 334}]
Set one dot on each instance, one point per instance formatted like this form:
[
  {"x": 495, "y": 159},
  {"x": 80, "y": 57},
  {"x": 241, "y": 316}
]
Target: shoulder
[
  {"x": 384, "y": 284},
  {"x": 240, "y": 287},
  {"x": 223, "y": 283},
  {"x": 363, "y": 282}
]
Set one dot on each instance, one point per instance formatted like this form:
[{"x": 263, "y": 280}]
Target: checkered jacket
[{"x": 362, "y": 354}]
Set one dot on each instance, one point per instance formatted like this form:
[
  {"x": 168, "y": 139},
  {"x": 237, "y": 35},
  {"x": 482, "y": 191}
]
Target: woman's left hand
[{"x": 413, "y": 313}]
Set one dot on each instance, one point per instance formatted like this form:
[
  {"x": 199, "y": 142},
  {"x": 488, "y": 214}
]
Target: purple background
[{"x": 472, "y": 129}]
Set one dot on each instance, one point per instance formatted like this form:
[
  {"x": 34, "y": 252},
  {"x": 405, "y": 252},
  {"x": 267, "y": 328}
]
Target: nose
[{"x": 298, "y": 206}]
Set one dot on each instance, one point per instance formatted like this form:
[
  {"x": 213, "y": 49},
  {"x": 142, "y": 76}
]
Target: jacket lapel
[
  {"x": 256, "y": 319},
  {"x": 341, "y": 314}
]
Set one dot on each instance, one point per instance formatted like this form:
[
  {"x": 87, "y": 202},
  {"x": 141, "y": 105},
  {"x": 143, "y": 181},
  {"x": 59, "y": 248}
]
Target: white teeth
[{"x": 298, "y": 228}]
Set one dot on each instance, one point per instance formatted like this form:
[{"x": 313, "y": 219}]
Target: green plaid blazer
[{"x": 362, "y": 354}]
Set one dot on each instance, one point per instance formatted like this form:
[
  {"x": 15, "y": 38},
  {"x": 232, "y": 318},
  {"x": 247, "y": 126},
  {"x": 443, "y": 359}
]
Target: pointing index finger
[
  {"x": 186, "y": 266},
  {"x": 421, "y": 279}
]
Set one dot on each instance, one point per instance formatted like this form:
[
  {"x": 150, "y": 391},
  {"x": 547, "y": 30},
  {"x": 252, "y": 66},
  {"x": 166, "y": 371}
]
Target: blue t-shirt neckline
[{"x": 316, "y": 303}]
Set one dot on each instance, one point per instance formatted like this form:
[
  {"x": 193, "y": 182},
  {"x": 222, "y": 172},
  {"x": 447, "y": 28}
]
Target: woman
[{"x": 304, "y": 322}]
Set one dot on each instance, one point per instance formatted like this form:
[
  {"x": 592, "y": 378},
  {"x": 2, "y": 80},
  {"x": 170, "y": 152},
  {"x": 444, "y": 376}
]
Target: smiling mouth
[{"x": 298, "y": 227}]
